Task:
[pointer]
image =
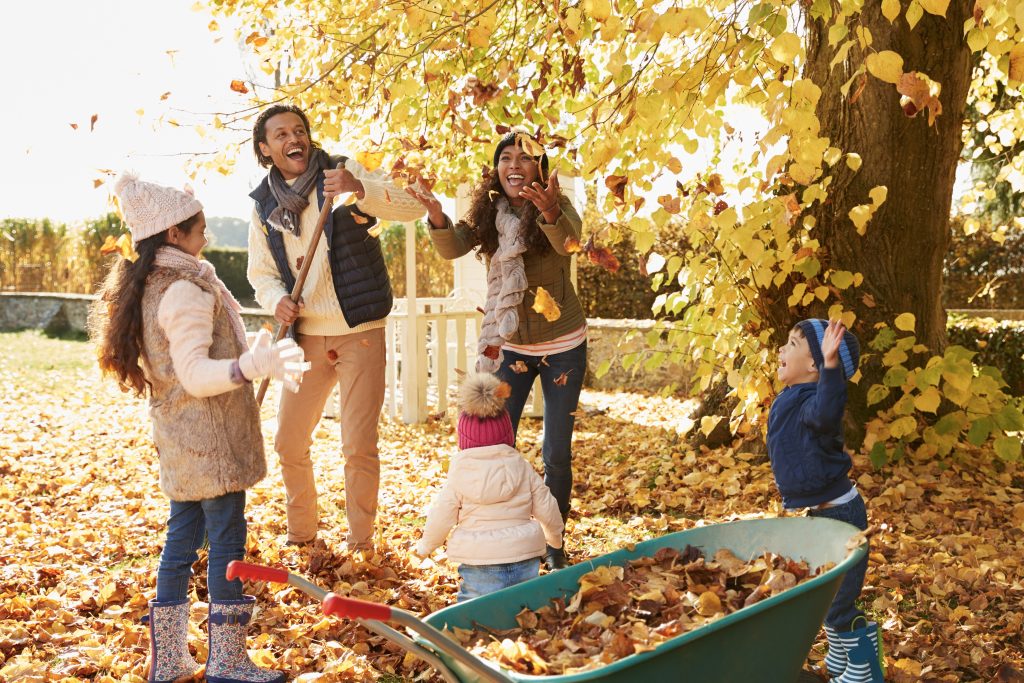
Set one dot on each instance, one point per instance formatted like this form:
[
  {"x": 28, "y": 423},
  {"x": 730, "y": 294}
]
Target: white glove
[{"x": 283, "y": 361}]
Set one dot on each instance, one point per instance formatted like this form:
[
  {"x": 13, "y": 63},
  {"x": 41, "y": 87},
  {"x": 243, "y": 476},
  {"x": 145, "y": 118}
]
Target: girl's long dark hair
[
  {"x": 115, "y": 323},
  {"x": 483, "y": 211}
]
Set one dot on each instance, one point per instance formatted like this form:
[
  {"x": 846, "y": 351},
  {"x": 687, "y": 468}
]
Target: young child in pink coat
[{"x": 502, "y": 512}]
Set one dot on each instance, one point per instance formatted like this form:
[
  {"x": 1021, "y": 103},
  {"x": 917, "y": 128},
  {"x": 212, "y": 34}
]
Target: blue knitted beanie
[{"x": 849, "y": 349}]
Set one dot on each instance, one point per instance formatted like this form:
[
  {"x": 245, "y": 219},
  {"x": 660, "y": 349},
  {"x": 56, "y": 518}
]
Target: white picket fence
[{"x": 424, "y": 350}]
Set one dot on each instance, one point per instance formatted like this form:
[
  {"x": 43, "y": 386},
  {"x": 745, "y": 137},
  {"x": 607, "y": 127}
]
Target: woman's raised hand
[
  {"x": 544, "y": 197},
  {"x": 421, "y": 193}
]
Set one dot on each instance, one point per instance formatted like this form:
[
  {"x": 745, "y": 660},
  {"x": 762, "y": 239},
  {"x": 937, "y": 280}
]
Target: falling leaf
[
  {"x": 165, "y": 95},
  {"x": 544, "y": 304},
  {"x": 298, "y": 262},
  {"x": 715, "y": 184},
  {"x": 239, "y": 86},
  {"x": 74, "y": 126},
  {"x": 119, "y": 245},
  {"x": 362, "y": 220},
  {"x": 371, "y": 161},
  {"x": 519, "y": 367},
  {"x": 572, "y": 245},
  {"x": 375, "y": 231},
  {"x": 92, "y": 122},
  {"x": 97, "y": 182},
  {"x": 492, "y": 352},
  {"x": 543, "y": 361},
  {"x": 493, "y": 194},
  {"x": 562, "y": 379},
  {"x": 503, "y": 390},
  {"x": 332, "y": 355},
  {"x": 601, "y": 256}
]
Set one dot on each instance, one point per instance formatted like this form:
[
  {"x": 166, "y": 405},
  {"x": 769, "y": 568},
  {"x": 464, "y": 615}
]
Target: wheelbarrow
[{"x": 767, "y": 641}]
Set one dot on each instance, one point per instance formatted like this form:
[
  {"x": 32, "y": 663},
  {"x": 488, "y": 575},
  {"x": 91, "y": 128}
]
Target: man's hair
[{"x": 259, "y": 129}]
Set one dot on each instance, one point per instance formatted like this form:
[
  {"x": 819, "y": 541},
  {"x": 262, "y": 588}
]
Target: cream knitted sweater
[{"x": 322, "y": 312}]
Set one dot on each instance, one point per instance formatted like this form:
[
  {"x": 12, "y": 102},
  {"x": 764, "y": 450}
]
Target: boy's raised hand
[{"x": 830, "y": 343}]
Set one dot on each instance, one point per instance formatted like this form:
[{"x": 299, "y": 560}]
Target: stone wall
[{"x": 68, "y": 313}]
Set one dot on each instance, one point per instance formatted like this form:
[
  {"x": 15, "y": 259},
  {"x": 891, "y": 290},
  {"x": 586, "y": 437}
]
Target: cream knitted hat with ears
[{"x": 150, "y": 209}]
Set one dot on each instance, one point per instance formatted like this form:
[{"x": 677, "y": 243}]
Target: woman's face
[{"x": 516, "y": 170}]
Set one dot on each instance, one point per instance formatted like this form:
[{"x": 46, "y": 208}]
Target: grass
[{"x": 37, "y": 357}]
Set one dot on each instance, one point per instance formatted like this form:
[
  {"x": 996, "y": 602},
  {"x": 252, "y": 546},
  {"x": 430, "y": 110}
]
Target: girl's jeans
[
  {"x": 560, "y": 402},
  {"x": 481, "y": 579},
  {"x": 222, "y": 519},
  {"x": 844, "y": 609}
]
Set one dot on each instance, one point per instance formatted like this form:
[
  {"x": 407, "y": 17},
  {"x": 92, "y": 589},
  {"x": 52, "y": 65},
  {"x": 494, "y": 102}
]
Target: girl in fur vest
[
  {"x": 502, "y": 511},
  {"x": 167, "y": 326}
]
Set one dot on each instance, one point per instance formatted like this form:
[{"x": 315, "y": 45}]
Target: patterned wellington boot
[
  {"x": 863, "y": 655},
  {"x": 168, "y": 642},
  {"x": 835, "y": 660},
  {"x": 229, "y": 661}
]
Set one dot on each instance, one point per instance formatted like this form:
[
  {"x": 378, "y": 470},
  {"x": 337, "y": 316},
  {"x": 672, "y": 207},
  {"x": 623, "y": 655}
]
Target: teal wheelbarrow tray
[{"x": 766, "y": 642}]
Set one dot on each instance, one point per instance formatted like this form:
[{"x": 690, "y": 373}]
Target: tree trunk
[{"x": 901, "y": 255}]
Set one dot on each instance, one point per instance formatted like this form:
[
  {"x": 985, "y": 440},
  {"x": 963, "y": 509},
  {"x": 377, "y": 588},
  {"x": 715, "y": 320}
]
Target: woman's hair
[
  {"x": 115, "y": 323},
  {"x": 259, "y": 130},
  {"x": 483, "y": 211}
]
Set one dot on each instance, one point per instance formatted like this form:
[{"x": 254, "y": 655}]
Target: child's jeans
[
  {"x": 844, "y": 609},
  {"x": 481, "y": 579},
  {"x": 222, "y": 519}
]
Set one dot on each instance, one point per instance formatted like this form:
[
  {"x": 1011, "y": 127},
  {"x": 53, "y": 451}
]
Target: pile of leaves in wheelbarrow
[{"x": 619, "y": 611}]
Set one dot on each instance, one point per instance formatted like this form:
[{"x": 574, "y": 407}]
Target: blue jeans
[
  {"x": 481, "y": 579},
  {"x": 560, "y": 402},
  {"x": 844, "y": 609},
  {"x": 222, "y": 520}
]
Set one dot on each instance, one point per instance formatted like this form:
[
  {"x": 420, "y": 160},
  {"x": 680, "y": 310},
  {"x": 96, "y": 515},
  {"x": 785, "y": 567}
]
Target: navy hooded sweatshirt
[{"x": 805, "y": 441}]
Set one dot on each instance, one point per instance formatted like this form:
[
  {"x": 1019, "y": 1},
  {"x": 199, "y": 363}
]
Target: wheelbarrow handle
[
  {"x": 350, "y": 608},
  {"x": 255, "y": 572}
]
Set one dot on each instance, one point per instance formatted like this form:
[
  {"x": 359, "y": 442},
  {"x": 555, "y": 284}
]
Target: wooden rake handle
[{"x": 300, "y": 281}]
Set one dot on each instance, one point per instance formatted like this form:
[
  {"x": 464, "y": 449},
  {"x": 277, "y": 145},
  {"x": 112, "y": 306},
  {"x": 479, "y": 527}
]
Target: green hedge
[
  {"x": 231, "y": 263},
  {"x": 999, "y": 343}
]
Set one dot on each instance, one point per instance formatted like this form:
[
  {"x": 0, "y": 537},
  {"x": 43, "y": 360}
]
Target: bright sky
[{"x": 66, "y": 60}]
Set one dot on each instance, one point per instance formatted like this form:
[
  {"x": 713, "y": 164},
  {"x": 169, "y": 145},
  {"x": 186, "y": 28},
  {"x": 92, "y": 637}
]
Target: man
[{"x": 339, "y": 320}]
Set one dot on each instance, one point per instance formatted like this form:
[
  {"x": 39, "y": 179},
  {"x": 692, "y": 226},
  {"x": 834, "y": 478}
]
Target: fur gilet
[{"x": 207, "y": 446}]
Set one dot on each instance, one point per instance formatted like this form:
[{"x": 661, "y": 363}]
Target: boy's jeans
[
  {"x": 844, "y": 609},
  {"x": 481, "y": 579},
  {"x": 222, "y": 519},
  {"x": 560, "y": 402}
]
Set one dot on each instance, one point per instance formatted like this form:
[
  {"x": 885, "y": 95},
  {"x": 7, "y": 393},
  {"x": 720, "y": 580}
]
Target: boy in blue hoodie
[{"x": 805, "y": 445}]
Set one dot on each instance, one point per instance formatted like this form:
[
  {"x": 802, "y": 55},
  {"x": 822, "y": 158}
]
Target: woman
[{"x": 519, "y": 226}]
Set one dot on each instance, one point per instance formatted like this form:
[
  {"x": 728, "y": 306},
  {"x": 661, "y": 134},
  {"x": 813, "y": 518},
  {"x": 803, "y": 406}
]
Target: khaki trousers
[{"x": 355, "y": 361}]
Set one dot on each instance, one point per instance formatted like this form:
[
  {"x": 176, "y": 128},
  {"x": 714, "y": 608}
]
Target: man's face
[{"x": 287, "y": 144}]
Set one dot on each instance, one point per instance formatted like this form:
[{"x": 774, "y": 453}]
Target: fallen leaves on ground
[
  {"x": 623, "y": 610},
  {"x": 83, "y": 520}
]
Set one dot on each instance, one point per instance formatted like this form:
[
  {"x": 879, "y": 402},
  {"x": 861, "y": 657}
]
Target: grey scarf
[
  {"x": 506, "y": 287},
  {"x": 291, "y": 199}
]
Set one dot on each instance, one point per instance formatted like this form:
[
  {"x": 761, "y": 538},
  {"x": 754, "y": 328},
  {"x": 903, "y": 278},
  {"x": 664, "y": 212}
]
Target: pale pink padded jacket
[{"x": 500, "y": 507}]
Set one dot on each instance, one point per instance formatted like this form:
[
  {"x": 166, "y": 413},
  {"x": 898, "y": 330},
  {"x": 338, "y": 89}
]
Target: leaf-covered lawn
[{"x": 82, "y": 516}]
